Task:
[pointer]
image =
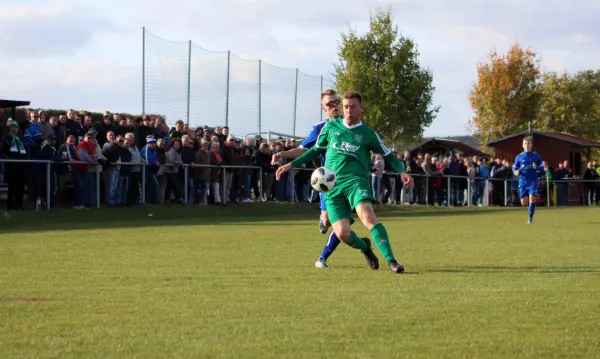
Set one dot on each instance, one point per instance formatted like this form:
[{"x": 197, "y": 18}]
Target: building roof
[
  {"x": 448, "y": 145},
  {"x": 561, "y": 136},
  {"x": 13, "y": 103}
]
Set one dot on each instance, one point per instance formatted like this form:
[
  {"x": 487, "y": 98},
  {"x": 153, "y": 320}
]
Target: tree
[
  {"x": 570, "y": 103},
  {"x": 384, "y": 67},
  {"x": 506, "y": 95}
]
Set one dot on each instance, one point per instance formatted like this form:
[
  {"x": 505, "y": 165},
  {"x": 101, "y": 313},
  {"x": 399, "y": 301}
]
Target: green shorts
[{"x": 346, "y": 197}]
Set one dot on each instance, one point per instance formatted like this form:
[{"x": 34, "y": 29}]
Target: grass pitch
[{"x": 240, "y": 282}]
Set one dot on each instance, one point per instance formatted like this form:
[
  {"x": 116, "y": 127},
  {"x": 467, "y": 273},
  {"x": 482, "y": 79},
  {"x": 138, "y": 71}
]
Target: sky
[{"x": 88, "y": 55}]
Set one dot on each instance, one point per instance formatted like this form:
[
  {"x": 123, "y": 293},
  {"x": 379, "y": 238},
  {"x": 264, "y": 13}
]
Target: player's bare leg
[
  {"x": 324, "y": 223},
  {"x": 342, "y": 230},
  {"x": 380, "y": 237}
]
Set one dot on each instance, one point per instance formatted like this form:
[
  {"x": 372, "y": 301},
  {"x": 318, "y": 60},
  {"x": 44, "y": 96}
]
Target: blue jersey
[
  {"x": 311, "y": 138},
  {"x": 524, "y": 164}
]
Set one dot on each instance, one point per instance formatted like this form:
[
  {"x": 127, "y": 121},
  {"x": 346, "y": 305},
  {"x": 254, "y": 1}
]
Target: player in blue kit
[
  {"x": 527, "y": 166},
  {"x": 330, "y": 104}
]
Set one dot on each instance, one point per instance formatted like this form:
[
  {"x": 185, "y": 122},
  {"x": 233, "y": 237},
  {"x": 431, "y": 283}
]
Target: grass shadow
[
  {"x": 516, "y": 269},
  {"x": 257, "y": 214}
]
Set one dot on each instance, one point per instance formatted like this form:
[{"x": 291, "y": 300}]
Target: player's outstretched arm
[
  {"x": 291, "y": 154},
  {"x": 306, "y": 157}
]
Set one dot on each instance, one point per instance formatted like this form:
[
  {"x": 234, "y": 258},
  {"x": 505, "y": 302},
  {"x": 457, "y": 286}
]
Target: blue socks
[
  {"x": 330, "y": 246},
  {"x": 531, "y": 210}
]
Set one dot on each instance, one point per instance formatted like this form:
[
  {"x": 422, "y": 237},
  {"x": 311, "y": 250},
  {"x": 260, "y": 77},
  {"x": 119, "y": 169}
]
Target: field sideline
[{"x": 240, "y": 282}]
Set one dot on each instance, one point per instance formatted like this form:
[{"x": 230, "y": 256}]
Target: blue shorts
[
  {"x": 528, "y": 189},
  {"x": 322, "y": 198}
]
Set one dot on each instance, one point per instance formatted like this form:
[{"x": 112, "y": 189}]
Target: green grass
[{"x": 240, "y": 282}]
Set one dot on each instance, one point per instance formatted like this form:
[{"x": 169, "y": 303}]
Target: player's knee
[
  {"x": 367, "y": 215},
  {"x": 342, "y": 231}
]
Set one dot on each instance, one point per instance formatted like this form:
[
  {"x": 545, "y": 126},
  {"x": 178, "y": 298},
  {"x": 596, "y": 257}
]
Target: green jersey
[{"x": 347, "y": 151}]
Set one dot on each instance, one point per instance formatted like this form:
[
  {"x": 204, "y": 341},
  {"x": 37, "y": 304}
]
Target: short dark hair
[
  {"x": 328, "y": 92},
  {"x": 528, "y": 137},
  {"x": 353, "y": 94}
]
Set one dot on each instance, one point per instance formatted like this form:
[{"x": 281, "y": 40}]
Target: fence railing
[
  {"x": 449, "y": 183},
  {"x": 182, "y": 80}
]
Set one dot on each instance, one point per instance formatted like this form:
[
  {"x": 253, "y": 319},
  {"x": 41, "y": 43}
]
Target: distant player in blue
[
  {"x": 527, "y": 166},
  {"x": 330, "y": 104}
]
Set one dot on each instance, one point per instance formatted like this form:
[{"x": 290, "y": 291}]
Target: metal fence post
[
  {"x": 378, "y": 183},
  {"x": 548, "y": 192},
  {"x": 295, "y": 105},
  {"x": 505, "y": 192},
  {"x": 143, "y": 70},
  {"x": 259, "y": 95},
  {"x": 224, "y": 185},
  {"x": 98, "y": 186},
  {"x": 449, "y": 195},
  {"x": 143, "y": 194},
  {"x": 321, "y": 112},
  {"x": 227, "y": 93},
  {"x": 48, "y": 185},
  {"x": 185, "y": 181},
  {"x": 189, "y": 79},
  {"x": 426, "y": 190},
  {"x": 260, "y": 188},
  {"x": 292, "y": 176},
  {"x": 469, "y": 196}
]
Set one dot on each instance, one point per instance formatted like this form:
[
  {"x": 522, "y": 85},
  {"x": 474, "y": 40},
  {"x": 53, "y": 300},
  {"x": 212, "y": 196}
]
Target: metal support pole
[
  {"x": 48, "y": 185},
  {"x": 227, "y": 93},
  {"x": 143, "y": 70},
  {"x": 185, "y": 181},
  {"x": 98, "y": 186},
  {"x": 321, "y": 112},
  {"x": 295, "y": 105},
  {"x": 427, "y": 194},
  {"x": 260, "y": 189},
  {"x": 224, "y": 185},
  {"x": 505, "y": 192},
  {"x": 449, "y": 195},
  {"x": 378, "y": 181},
  {"x": 259, "y": 95},
  {"x": 143, "y": 194},
  {"x": 469, "y": 196},
  {"x": 189, "y": 85},
  {"x": 548, "y": 192},
  {"x": 291, "y": 179}
]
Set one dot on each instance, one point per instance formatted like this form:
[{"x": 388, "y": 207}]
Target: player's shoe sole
[
  {"x": 396, "y": 267},
  {"x": 371, "y": 258},
  {"x": 321, "y": 264}
]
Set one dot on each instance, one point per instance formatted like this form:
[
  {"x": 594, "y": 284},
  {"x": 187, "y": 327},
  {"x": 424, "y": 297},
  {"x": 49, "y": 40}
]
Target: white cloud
[
  {"x": 88, "y": 54},
  {"x": 58, "y": 28}
]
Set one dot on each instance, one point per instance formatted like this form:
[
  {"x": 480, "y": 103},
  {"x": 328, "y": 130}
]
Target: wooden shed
[{"x": 444, "y": 148}]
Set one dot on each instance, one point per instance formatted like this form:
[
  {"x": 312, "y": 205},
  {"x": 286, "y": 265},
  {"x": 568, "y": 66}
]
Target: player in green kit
[{"x": 347, "y": 144}]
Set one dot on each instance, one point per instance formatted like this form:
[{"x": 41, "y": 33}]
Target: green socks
[
  {"x": 356, "y": 242},
  {"x": 382, "y": 241}
]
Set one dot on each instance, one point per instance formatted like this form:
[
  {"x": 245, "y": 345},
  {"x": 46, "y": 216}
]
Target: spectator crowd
[
  {"x": 124, "y": 151},
  {"x": 437, "y": 181}
]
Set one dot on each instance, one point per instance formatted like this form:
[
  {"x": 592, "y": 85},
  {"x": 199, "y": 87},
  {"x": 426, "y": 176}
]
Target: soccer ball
[{"x": 322, "y": 179}]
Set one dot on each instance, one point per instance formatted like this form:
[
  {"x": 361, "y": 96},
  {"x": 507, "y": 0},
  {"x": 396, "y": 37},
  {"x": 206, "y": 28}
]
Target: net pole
[
  {"x": 259, "y": 94},
  {"x": 295, "y": 104},
  {"x": 143, "y": 70},
  {"x": 189, "y": 80},
  {"x": 321, "y": 112},
  {"x": 227, "y": 90}
]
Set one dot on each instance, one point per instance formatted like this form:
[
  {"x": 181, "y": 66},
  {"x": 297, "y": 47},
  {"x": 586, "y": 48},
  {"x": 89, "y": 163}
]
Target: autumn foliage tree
[
  {"x": 570, "y": 103},
  {"x": 506, "y": 95}
]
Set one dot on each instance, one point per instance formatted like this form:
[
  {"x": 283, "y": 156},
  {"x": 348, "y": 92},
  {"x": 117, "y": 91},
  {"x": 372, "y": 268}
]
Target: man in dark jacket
[{"x": 13, "y": 147}]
